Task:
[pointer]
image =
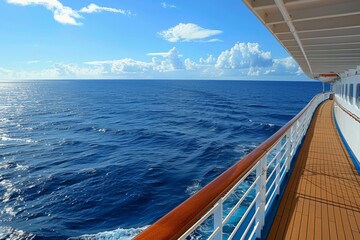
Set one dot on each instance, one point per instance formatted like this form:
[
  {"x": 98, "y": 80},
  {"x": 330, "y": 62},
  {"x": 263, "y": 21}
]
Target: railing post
[
  {"x": 261, "y": 188},
  {"x": 292, "y": 153},
  {"x": 288, "y": 151},
  {"x": 277, "y": 165},
  {"x": 218, "y": 220},
  {"x": 298, "y": 130}
]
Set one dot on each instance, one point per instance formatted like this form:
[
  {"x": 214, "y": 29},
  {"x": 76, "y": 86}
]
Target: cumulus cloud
[
  {"x": 64, "y": 14},
  {"x": 242, "y": 61},
  {"x": 167, "y": 5},
  {"x": 187, "y": 32},
  {"x": 190, "y": 65},
  {"x": 78, "y": 71},
  {"x": 93, "y": 8},
  {"x": 209, "y": 60},
  {"x": 126, "y": 65},
  {"x": 56, "y": 71},
  {"x": 284, "y": 66},
  {"x": 244, "y": 55},
  {"x": 171, "y": 62},
  {"x": 160, "y": 63}
]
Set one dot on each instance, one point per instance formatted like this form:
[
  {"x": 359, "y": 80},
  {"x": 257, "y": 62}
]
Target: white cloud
[
  {"x": 56, "y": 71},
  {"x": 242, "y": 61},
  {"x": 190, "y": 65},
  {"x": 128, "y": 65},
  {"x": 50, "y": 73},
  {"x": 253, "y": 72},
  {"x": 64, "y": 14},
  {"x": 167, "y": 5},
  {"x": 7, "y": 74},
  {"x": 209, "y": 60},
  {"x": 125, "y": 65},
  {"x": 171, "y": 62},
  {"x": 77, "y": 71},
  {"x": 299, "y": 71},
  {"x": 284, "y": 66},
  {"x": 187, "y": 32},
  {"x": 93, "y": 8},
  {"x": 161, "y": 62},
  {"x": 244, "y": 55}
]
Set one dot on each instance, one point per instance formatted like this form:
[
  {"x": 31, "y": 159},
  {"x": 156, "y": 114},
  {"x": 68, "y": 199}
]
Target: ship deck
[{"x": 322, "y": 198}]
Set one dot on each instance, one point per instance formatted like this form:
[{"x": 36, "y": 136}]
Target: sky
[{"x": 138, "y": 39}]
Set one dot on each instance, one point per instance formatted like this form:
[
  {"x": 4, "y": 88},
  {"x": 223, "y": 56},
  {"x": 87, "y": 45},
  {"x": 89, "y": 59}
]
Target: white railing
[{"x": 241, "y": 212}]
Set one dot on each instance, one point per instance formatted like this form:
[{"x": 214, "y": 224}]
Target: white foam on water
[
  {"x": 88, "y": 170},
  {"x": 5, "y": 165},
  {"x": 21, "y": 167},
  {"x": 118, "y": 234},
  {"x": 99, "y": 129},
  {"x": 10, "y": 190},
  {"x": 10, "y": 233},
  {"x": 194, "y": 187},
  {"x": 6, "y": 138},
  {"x": 244, "y": 149}
]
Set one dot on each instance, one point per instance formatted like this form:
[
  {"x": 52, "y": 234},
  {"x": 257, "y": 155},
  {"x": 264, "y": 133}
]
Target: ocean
[{"x": 100, "y": 159}]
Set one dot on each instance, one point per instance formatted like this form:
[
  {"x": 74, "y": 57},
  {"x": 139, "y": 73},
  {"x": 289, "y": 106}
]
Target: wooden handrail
[
  {"x": 356, "y": 118},
  {"x": 180, "y": 219}
]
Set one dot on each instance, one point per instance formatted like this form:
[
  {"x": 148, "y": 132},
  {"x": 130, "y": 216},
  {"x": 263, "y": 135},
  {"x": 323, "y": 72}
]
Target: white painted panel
[{"x": 350, "y": 129}]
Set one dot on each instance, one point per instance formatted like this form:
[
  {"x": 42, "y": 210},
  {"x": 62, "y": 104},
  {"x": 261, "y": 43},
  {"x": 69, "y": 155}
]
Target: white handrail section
[{"x": 241, "y": 212}]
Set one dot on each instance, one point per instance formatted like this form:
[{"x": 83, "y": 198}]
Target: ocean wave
[
  {"x": 87, "y": 171},
  {"x": 256, "y": 106},
  {"x": 117, "y": 234},
  {"x": 194, "y": 187},
  {"x": 245, "y": 149},
  {"x": 11, "y": 191},
  {"x": 6, "y": 138},
  {"x": 10, "y": 233}
]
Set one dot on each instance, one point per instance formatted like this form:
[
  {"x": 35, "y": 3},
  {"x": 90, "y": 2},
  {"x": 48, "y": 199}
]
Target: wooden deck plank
[
  {"x": 322, "y": 199},
  {"x": 311, "y": 224},
  {"x": 333, "y": 233}
]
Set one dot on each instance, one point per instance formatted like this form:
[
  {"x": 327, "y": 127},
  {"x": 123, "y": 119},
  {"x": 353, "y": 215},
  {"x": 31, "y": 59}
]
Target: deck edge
[{"x": 271, "y": 214}]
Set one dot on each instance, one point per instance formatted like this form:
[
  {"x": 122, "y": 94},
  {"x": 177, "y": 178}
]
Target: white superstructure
[{"x": 323, "y": 36}]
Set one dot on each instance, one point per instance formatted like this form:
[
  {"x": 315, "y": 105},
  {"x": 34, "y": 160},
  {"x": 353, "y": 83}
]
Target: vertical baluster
[
  {"x": 292, "y": 151},
  {"x": 277, "y": 164},
  {"x": 296, "y": 133},
  {"x": 288, "y": 150},
  {"x": 261, "y": 188},
  {"x": 218, "y": 220}
]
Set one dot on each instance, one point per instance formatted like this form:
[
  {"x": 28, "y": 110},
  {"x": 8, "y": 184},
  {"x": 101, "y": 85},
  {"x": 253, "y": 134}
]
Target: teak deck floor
[{"x": 322, "y": 198}]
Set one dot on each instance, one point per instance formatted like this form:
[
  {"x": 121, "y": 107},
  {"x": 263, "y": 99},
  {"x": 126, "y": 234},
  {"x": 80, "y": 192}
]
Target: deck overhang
[{"x": 323, "y": 36}]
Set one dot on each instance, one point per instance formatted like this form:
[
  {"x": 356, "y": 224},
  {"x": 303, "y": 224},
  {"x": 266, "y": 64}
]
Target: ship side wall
[{"x": 347, "y": 114}]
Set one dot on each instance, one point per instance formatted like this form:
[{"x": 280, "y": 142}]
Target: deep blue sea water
[{"x": 102, "y": 159}]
